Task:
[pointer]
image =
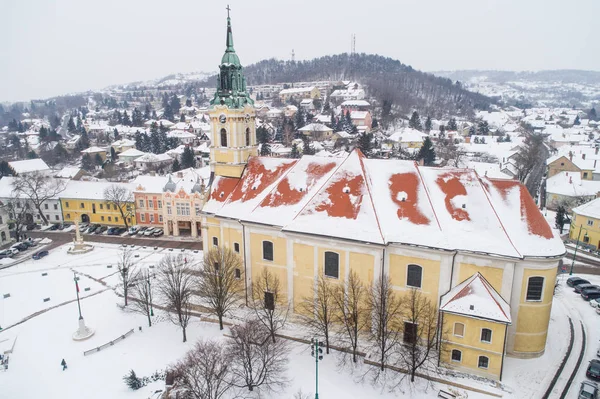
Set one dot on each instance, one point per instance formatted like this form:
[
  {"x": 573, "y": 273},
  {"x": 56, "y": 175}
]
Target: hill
[{"x": 389, "y": 81}]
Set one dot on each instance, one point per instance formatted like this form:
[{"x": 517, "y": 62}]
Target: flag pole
[{"x": 77, "y": 290}]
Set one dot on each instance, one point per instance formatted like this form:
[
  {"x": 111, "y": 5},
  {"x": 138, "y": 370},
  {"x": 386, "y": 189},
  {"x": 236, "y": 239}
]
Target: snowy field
[{"x": 43, "y": 341}]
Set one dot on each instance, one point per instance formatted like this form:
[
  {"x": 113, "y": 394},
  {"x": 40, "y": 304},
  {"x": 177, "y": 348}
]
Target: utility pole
[
  {"x": 293, "y": 56},
  {"x": 150, "y": 295},
  {"x": 317, "y": 353},
  {"x": 75, "y": 278}
]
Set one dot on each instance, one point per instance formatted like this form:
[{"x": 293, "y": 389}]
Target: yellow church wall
[
  {"x": 223, "y": 155},
  {"x": 277, "y": 266},
  {"x": 492, "y": 274},
  {"x": 229, "y": 170},
  {"x": 321, "y": 262},
  {"x": 363, "y": 266},
  {"x": 398, "y": 265},
  {"x": 303, "y": 274},
  {"x": 534, "y": 316},
  {"x": 471, "y": 346}
]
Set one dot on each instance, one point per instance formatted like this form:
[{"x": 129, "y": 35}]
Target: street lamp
[
  {"x": 576, "y": 246},
  {"x": 316, "y": 351}
]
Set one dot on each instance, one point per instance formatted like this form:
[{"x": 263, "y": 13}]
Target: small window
[
  {"x": 414, "y": 276},
  {"x": 269, "y": 301},
  {"x": 585, "y": 175},
  {"x": 332, "y": 264},
  {"x": 486, "y": 335},
  {"x": 267, "y": 250},
  {"x": 150, "y": 204},
  {"x": 82, "y": 205},
  {"x": 590, "y": 222},
  {"x": 141, "y": 203},
  {"x": 45, "y": 206},
  {"x": 151, "y": 218},
  {"x": 483, "y": 362},
  {"x": 456, "y": 355},
  {"x": 115, "y": 207},
  {"x": 238, "y": 274},
  {"x": 459, "y": 329},
  {"x": 160, "y": 218},
  {"x": 68, "y": 216},
  {"x": 143, "y": 217},
  {"x": 247, "y": 137},
  {"x": 586, "y": 239},
  {"x": 535, "y": 287},
  {"x": 67, "y": 204},
  {"x": 236, "y": 247},
  {"x": 410, "y": 332},
  {"x": 55, "y": 207},
  {"x": 101, "y": 206},
  {"x": 562, "y": 164},
  {"x": 215, "y": 242},
  {"x": 159, "y": 204},
  {"x": 102, "y": 218},
  {"x": 223, "y": 138},
  {"x": 116, "y": 218},
  {"x": 110, "y": 218},
  {"x": 56, "y": 217}
]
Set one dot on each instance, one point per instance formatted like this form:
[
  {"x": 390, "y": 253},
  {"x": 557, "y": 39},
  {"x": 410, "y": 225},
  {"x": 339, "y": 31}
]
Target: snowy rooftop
[
  {"x": 132, "y": 152},
  {"x": 476, "y": 297},
  {"x": 407, "y": 135},
  {"x": 590, "y": 209},
  {"x": 93, "y": 150},
  {"x": 572, "y": 185},
  {"x": 296, "y": 90},
  {"x": 90, "y": 189},
  {"x": 356, "y": 103},
  {"x": 151, "y": 158},
  {"x": 29, "y": 165},
  {"x": 359, "y": 114},
  {"x": 68, "y": 172},
  {"x": 387, "y": 201},
  {"x": 315, "y": 127}
]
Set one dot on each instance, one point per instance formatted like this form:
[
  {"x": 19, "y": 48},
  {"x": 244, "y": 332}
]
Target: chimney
[
  {"x": 570, "y": 156},
  {"x": 595, "y": 160},
  {"x": 597, "y": 150},
  {"x": 570, "y": 180},
  {"x": 582, "y": 156}
]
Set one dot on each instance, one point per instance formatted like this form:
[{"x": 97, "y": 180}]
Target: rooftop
[{"x": 29, "y": 165}]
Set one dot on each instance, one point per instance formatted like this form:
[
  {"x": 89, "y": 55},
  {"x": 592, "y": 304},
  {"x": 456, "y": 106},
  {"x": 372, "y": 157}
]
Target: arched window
[
  {"x": 414, "y": 276},
  {"x": 332, "y": 264},
  {"x": 456, "y": 355},
  {"x": 459, "y": 329},
  {"x": 223, "y": 138},
  {"x": 247, "y": 137},
  {"x": 483, "y": 362},
  {"x": 3, "y": 235},
  {"x": 486, "y": 335},
  {"x": 535, "y": 286},
  {"x": 267, "y": 250}
]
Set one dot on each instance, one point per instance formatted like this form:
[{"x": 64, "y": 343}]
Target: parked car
[
  {"x": 19, "y": 246},
  {"x": 133, "y": 230},
  {"x": 7, "y": 253},
  {"x": 573, "y": 281},
  {"x": 593, "y": 370},
  {"x": 580, "y": 287},
  {"x": 92, "y": 228},
  {"x": 588, "y": 295},
  {"x": 120, "y": 230},
  {"x": 588, "y": 390},
  {"x": 33, "y": 226},
  {"x": 158, "y": 232},
  {"x": 83, "y": 227},
  {"x": 595, "y": 303},
  {"x": 149, "y": 231},
  {"x": 39, "y": 255},
  {"x": 100, "y": 230},
  {"x": 111, "y": 231},
  {"x": 54, "y": 227},
  {"x": 592, "y": 288}
]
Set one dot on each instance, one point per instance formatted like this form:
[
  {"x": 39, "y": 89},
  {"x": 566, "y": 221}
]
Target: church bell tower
[{"x": 232, "y": 115}]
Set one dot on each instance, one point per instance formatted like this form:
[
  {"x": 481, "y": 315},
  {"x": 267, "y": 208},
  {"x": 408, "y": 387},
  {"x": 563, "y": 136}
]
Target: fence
[{"x": 108, "y": 344}]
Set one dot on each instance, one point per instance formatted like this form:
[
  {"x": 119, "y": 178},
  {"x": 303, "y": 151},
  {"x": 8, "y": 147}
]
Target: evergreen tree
[
  {"x": 300, "y": 118},
  {"x": 154, "y": 116},
  {"x": 175, "y": 104},
  {"x": 560, "y": 219},
  {"x": 71, "y": 125},
  {"x": 577, "y": 121},
  {"x": 98, "y": 160},
  {"x": 295, "y": 153},
  {"x": 113, "y": 154},
  {"x": 168, "y": 113},
  {"x": 592, "y": 114},
  {"x": 307, "y": 148},
  {"x": 155, "y": 142},
  {"x": 415, "y": 121},
  {"x": 427, "y": 153},
  {"x": 133, "y": 381},
  {"x": 147, "y": 112},
  {"x": 364, "y": 143},
  {"x": 84, "y": 141},
  {"x": 188, "y": 160},
  {"x": 452, "y": 126},
  {"x": 165, "y": 100},
  {"x": 13, "y": 126},
  {"x": 125, "y": 119},
  {"x": 483, "y": 128},
  {"x": 428, "y": 124},
  {"x": 59, "y": 153},
  {"x": 137, "y": 118},
  {"x": 472, "y": 130},
  {"x": 176, "y": 167},
  {"x": 31, "y": 155},
  {"x": 6, "y": 169},
  {"x": 188, "y": 102},
  {"x": 87, "y": 163},
  {"x": 182, "y": 118},
  {"x": 263, "y": 137},
  {"x": 43, "y": 134},
  {"x": 374, "y": 123}
]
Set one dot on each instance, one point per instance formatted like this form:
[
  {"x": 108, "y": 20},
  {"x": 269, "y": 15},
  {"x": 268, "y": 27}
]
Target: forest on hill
[{"x": 391, "y": 83}]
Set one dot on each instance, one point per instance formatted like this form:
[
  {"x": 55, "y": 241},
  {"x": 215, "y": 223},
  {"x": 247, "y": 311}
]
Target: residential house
[
  {"x": 585, "y": 224},
  {"x": 129, "y": 156},
  {"x": 362, "y": 120},
  {"x": 153, "y": 162},
  {"x": 569, "y": 189},
  {"x": 317, "y": 131},
  {"x": 299, "y": 93},
  {"x": 95, "y": 152},
  {"x": 28, "y": 166}
]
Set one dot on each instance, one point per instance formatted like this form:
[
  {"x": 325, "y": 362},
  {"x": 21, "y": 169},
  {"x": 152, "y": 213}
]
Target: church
[{"x": 478, "y": 248}]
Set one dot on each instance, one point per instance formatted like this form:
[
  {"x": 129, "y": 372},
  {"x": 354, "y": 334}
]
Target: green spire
[{"x": 229, "y": 42}]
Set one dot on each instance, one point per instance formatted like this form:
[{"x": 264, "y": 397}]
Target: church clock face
[
  {"x": 222, "y": 118},
  {"x": 247, "y": 118}
]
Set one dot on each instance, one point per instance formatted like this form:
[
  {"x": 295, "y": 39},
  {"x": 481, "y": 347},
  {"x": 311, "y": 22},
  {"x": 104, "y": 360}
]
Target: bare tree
[
  {"x": 176, "y": 286},
  {"x": 450, "y": 153},
  {"x": 529, "y": 154},
  {"x": 127, "y": 270},
  {"x": 420, "y": 333},
  {"x": 17, "y": 210},
  {"x": 122, "y": 199},
  {"x": 351, "y": 311},
  {"x": 319, "y": 309},
  {"x": 204, "y": 372},
  {"x": 142, "y": 290},
  {"x": 220, "y": 283},
  {"x": 255, "y": 360},
  {"x": 38, "y": 188},
  {"x": 269, "y": 305},
  {"x": 386, "y": 309}
]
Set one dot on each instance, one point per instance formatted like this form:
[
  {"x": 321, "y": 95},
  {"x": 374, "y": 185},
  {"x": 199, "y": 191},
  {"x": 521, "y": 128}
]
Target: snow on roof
[
  {"x": 132, "y": 152},
  {"x": 296, "y": 90},
  {"x": 151, "y": 158},
  {"x": 407, "y": 135},
  {"x": 392, "y": 201},
  {"x": 91, "y": 189},
  {"x": 358, "y": 114},
  {"x": 571, "y": 184},
  {"x": 315, "y": 127},
  {"x": 180, "y": 134},
  {"x": 123, "y": 143},
  {"x": 356, "y": 103},
  {"x": 29, "y": 165},
  {"x": 220, "y": 189},
  {"x": 93, "y": 150},
  {"x": 68, "y": 172},
  {"x": 475, "y": 297},
  {"x": 487, "y": 169},
  {"x": 590, "y": 209}
]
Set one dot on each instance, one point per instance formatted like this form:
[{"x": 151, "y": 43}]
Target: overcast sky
[{"x": 53, "y": 47}]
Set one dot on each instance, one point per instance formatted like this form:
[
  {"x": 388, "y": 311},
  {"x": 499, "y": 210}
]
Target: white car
[
  {"x": 595, "y": 303},
  {"x": 148, "y": 232}
]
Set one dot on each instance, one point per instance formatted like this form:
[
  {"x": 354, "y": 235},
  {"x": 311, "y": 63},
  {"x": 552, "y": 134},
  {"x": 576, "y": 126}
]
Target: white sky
[{"x": 52, "y": 47}]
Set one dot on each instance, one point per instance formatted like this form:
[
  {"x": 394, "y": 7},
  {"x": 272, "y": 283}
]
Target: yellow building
[
  {"x": 85, "y": 201},
  {"x": 572, "y": 163},
  {"x": 299, "y": 93},
  {"x": 428, "y": 229},
  {"x": 585, "y": 225}
]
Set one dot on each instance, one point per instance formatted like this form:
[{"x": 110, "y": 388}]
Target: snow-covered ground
[{"x": 43, "y": 341}]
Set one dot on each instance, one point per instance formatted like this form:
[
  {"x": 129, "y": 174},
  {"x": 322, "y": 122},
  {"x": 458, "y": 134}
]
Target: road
[
  {"x": 60, "y": 238},
  {"x": 535, "y": 177}
]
